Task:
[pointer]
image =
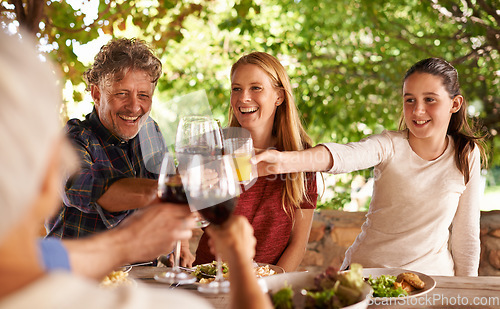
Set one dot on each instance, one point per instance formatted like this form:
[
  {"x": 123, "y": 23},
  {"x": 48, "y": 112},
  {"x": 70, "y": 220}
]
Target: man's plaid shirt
[{"x": 105, "y": 158}]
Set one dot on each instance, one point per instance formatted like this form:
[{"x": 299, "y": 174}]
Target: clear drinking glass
[
  {"x": 241, "y": 149},
  {"x": 171, "y": 190},
  {"x": 199, "y": 135}
]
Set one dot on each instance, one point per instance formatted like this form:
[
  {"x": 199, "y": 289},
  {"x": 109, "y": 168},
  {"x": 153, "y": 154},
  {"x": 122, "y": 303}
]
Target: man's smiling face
[{"x": 124, "y": 105}]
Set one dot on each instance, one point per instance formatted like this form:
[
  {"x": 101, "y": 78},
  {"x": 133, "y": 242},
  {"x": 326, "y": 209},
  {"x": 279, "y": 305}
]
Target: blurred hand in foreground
[
  {"x": 232, "y": 240},
  {"x": 235, "y": 243},
  {"x": 153, "y": 230}
]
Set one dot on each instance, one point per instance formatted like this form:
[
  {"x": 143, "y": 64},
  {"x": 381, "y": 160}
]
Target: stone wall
[
  {"x": 334, "y": 231},
  {"x": 490, "y": 243}
]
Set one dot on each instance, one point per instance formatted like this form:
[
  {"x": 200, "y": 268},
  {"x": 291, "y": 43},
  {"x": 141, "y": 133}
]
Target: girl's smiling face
[
  {"x": 254, "y": 98},
  {"x": 427, "y": 106}
]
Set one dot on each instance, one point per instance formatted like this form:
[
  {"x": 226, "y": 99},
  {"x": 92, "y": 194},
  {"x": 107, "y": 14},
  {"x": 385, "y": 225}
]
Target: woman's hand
[
  {"x": 187, "y": 258},
  {"x": 153, "y": 230},
  {"x": 235, "y": 243}
]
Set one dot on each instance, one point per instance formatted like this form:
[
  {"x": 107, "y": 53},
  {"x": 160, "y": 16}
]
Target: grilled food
[{"x": 409, "y": 282}]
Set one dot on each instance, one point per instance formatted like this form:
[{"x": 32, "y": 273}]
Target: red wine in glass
[
  {"x": 219, "y": 213},
  {"x": 173, "y": 191}
]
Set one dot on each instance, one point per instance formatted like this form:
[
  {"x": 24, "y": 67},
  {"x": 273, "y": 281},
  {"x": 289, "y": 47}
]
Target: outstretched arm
[{"x": 316, "y": 159}]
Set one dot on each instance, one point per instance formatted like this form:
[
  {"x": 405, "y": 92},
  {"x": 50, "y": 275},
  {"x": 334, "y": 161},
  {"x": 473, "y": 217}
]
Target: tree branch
[
  {"x": 488, "y": 9},
  {"x": 94, "y": 23}
]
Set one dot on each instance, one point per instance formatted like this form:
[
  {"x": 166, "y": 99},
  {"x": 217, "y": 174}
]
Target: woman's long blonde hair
[{"x": 287, "y": 127}]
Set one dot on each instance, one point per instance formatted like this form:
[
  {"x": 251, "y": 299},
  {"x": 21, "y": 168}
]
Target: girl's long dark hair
[{"x": 465, "y": 136}]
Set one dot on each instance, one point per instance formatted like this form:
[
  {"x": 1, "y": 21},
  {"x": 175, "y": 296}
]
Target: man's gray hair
[{"x": 30, "y": 100}]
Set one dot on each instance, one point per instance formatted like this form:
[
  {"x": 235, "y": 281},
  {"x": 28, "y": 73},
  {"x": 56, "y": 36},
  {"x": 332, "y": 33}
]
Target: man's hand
[{"x": 153, "y": 230}]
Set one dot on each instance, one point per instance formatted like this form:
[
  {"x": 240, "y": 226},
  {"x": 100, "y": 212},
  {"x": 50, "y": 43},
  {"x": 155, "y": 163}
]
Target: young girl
[
  {"x": 424, "y": 213},
  {"x": 279, "y": 207}
]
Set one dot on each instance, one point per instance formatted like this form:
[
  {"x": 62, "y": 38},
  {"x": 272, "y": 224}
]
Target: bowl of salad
[{"x": 326, "y": 289}]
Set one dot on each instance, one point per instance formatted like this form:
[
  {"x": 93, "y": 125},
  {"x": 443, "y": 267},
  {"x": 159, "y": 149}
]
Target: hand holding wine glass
[
  {"x": 212, "y": 188},
  {"x": 234, "y": 240}
]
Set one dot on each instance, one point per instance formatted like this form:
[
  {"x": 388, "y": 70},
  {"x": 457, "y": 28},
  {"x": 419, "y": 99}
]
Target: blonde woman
[{"x": 279, "y": 207}]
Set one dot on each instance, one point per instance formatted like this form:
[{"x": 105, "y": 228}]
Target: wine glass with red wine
[
  {"x": 199, "y": 135},
  {"x": 171, "y": 190},
  {"x": 212, "y": 188}
]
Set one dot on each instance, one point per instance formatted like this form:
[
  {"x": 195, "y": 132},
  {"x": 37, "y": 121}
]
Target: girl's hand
[
  {"x": 269, "y": 162},
  {"x": 316, "y": 159}
]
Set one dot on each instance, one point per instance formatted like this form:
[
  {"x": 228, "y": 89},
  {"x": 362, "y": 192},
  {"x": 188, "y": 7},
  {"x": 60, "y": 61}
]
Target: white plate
[
  {"x": 162, "y": 277},
  {"x": 377, "y": 272},
  {"x": 158, "y": 274},
  {"x": 277, "y": 269},
  {"x": 305, "y": 280}
]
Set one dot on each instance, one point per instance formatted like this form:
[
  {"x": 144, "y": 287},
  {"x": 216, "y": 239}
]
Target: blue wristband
[{"x": 54, "y": 255}]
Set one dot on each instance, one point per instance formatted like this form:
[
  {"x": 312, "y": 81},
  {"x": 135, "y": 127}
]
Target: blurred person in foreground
[
  {"x": 34, "y": 161},
  {"x": 120, "y": 147}
]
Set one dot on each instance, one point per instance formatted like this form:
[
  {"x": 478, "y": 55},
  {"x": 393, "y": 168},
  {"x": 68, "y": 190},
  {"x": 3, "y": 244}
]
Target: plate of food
[
  {"x": 206, "y": 272},
  {"x": 117, "y": 278},
  {"x": 322, "y": 289},
  {"x": 391, "y": 283}
]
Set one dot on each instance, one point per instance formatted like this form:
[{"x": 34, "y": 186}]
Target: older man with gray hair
[{"x": 119, "y": 145}]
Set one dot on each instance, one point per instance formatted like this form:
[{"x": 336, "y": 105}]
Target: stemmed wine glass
[
  {"x": 171, "y": 190},
  {"x": 202, "y": 135},
  {"x": 212, "y": 188},
  {"x": 199, "y": 135}
]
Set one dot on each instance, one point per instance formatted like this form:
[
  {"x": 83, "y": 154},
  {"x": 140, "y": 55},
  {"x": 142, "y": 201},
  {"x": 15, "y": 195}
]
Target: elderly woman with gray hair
[{"x": 34, "y": 159}]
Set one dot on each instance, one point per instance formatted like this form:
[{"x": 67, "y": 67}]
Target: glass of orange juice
[{"x": 241, "y": 149}]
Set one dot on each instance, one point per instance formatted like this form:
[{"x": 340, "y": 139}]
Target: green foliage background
[{"x": 346, "y": 59}]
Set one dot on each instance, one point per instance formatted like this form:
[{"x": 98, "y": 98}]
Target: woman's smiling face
[{"x": 254, "y": 98}]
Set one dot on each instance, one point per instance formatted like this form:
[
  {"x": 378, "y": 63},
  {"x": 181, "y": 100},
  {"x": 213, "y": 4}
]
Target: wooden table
[
  {"x": 145, "y": 274},
  {"x": 450, "y": 292},
  {"x": 455, "y": 292}
]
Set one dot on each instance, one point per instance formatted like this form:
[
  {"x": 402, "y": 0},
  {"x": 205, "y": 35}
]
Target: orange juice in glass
[
  {"x": 241, "y": 150},
  {"x": 243, "y": 166}
]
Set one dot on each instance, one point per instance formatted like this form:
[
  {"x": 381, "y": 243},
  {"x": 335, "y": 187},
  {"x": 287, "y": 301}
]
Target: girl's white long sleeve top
[{"x": 422, "y": 216}]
